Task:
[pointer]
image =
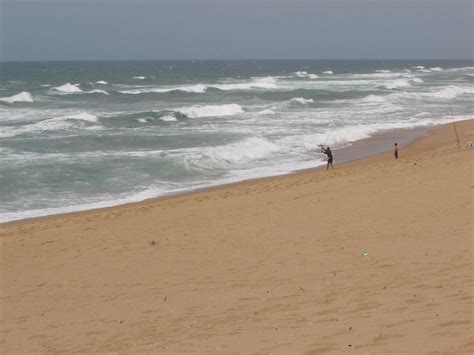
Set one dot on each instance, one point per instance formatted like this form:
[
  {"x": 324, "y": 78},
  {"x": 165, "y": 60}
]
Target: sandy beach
[{"x": 374, "y": 256}]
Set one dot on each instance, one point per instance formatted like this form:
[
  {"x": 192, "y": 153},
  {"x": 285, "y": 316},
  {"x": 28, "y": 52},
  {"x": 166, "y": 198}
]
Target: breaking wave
[
  {"x": 302, "y": 100},
  {"x": 222, "y": 157},
  {"x": 24, "y": 96},
  {"x": 97, "y": 91},
  {"x": 450, "y": 92},
  {"x": 211, "y": 110},
  {"x": 256, "y": 83},
  {"x": 266, "y": 112},
  {"x": 66, "y": 122},
  {"x": 68, "y": 88},
  {"x": 396, "y": 84},
  {"x": 198, "y": 88},
  {"x": 303, "y": 74}
]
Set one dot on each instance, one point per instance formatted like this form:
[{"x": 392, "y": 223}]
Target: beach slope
[{"x": 373, "y": 256}]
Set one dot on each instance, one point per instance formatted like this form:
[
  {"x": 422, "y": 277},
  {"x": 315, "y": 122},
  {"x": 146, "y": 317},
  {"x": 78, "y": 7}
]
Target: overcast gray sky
[{"x": 212, "y": 29}]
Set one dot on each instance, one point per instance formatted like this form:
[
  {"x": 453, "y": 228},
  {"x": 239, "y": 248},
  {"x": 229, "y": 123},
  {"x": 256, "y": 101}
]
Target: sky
[{"x": 235, "y": 29}]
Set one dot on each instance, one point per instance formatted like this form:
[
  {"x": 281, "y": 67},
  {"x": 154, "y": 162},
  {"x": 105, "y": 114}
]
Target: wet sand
[{"x": 373, "y": 256}]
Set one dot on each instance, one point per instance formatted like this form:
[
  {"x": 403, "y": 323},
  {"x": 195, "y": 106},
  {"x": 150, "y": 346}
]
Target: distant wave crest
[
  {"x": 68, "y": 88},
  {"x": 211, "y": 110},
  {"x": 302, "y": 100},
  {"x": 24, "y": 96}
]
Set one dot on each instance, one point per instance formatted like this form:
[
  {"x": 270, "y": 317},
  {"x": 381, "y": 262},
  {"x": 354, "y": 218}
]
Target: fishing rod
[
  {"x": 454, "y": 124},
  {"x": 327, "y": 137}
]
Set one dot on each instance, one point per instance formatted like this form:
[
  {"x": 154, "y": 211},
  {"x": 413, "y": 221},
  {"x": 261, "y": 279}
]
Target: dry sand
[{"x": 374, "y": 256}]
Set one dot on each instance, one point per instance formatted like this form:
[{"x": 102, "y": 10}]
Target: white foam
[
  {"x": 328, "y": 72},
  {"x": 83, "y": 116},
  {"x": 66, "y": 122},
  {"x": 450, "y": 92},
  {"x": 139, "y": 77},
  {"x": 68, "y": 88},
  {"x": 423, "y": 114},
  {"x": 399, "y": 83},
  {"x": 417, "y": 80},
  {"x": 300, "y": 73},
  {"x": 419, "y": 67},
  {"x": 168, "y": 118},
  {"x": 150, "y": 192},
  {"x": 230, "y": 155},
  {"x": 211, "y": 110},
  {"x": 383, "y": 71},
  {"x": 97, "y": 91},
  {"x": 345, "y": 135},
  {"x": 266, "y": 112},
  {"x": 102, "y": 82},
  {"x": 303, "y": 74},
  {"x": 255, "y": 83},
  {"x": 436, "y": 69},
  {"x": 198, "y": 88},
  {"x": 24, "y": 96},
  {"x": 302, "y": 100},
  {"x": 374, "y": 99},
  {"x": 45, "y": 85}
]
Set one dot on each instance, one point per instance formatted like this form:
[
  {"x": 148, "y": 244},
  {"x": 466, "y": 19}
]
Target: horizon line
[{"x": 220, "y": 59}]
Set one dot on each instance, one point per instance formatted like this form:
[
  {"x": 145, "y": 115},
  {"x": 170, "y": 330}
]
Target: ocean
[{"x": 82, "y": 135}]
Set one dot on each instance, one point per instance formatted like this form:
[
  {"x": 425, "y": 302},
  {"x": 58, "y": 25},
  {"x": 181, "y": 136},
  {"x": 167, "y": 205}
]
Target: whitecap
[
  {"x": 266, "y": 112},
  {"x": 328, "y": 72},
  {"x": 437, "y": 69},
  {"x": 211, "y": 110},
  {"x": 450, "y": 92},
  {"x": 97, "y": 91},
  {"x": 66, "y": 122},
  {"x": 139, "y": 77},
  {"x": 102, "y": 82},
  {"x": 198, "y": 88},
  {"x": 302, "y": 100},
  {"x": 221, "y": 157},
  {"x": 303, "y": 74},
  {"x": 400, "y": 83},
  {"x": 68, "y": 88},
  {"x": 168, "y": 118},
  {"x": 423, "y": 114},
  {"x": 255, "y": 83},
  {"x": 374, "y": 99},
  {"x": 24, "y": 96}
]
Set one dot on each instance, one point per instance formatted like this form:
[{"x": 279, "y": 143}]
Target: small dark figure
[
  {"x": 395, "y": 151},
  {"x": 328, "y": 152}
]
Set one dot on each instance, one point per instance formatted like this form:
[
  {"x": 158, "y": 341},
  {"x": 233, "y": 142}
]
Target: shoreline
[
  {"x": 376, "y": 144},
  {"x": 373, "y": 257}
]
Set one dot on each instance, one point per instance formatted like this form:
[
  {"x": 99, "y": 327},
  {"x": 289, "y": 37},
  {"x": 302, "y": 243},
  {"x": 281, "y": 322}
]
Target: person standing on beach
[
  {"x": 328, "y": 152},
  {"x": 395, "y": 151}
]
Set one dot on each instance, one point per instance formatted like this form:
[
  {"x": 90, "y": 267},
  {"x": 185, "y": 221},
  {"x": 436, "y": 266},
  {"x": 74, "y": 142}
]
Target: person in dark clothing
[
  {"x": 328, "y": 152},
  {"x": 395, "y": 151}
]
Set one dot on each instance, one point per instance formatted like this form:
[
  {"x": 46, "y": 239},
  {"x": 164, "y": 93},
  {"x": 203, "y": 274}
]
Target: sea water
[{"x": 82, "y": 135}]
